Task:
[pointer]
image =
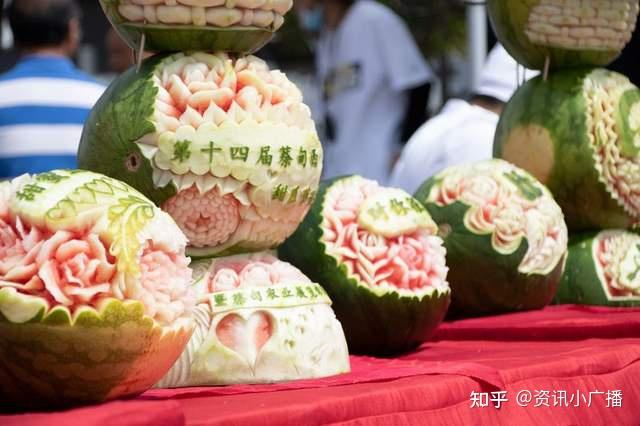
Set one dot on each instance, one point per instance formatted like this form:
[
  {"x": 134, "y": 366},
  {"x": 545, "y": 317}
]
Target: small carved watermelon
[
  {"x": 94, "y": 290},
  {"x": 259, "y": 320},
  {"x": 376, "y": 252},
  {"x": 505, "y": 237}
]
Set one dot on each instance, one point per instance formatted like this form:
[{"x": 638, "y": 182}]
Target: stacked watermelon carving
[
  {"x": 577, "y": 129},
  {"x": 226, "y": 147}
]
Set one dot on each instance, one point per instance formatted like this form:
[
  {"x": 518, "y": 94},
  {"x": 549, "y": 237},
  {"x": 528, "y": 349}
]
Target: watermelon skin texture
[
  {"x": 159, "y": 38},
  {"x": 581, "y": 283},
  {"x": 108, "y": 140},
  {"x": 484, "y": 282},
  {"x": 54, "y": 361},
  {"x": 374, "y": 324},
  {"x": 509, "y": 18},
  {"x": 557, "y": 108}
]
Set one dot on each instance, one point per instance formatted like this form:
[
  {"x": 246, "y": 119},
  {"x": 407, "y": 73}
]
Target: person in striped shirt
[{"x": 44, "y": 99}]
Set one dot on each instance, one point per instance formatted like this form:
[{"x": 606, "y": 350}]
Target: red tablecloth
[{"x": 579, "y": 361}]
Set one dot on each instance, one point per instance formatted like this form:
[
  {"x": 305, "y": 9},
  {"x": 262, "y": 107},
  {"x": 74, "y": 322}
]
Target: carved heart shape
[{"x": 245, "y": 336}]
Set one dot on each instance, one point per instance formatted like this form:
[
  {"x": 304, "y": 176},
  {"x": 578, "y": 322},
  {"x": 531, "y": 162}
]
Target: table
[{"x": 580, "y": 361}]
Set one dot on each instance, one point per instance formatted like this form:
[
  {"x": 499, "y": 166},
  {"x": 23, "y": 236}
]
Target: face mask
[{"x": 312, "y": 19}]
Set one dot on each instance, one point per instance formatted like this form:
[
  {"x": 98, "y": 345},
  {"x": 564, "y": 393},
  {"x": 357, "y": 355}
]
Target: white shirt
[
  {"x": 369, "y": 61},
  {"x": 461, "y": 134}
]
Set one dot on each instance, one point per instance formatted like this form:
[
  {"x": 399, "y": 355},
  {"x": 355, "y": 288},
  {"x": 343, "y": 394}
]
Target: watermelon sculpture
[
  {"x": 94, "y": 290},
  {"x": 505, "y": 237},
  {"x": 376, "y": 252},
  {"x": 563, "y": 33},
  {"x": 603, "y": 268},
  {"x": 241, "y": 26},
  {"x": 259, "y": 320},
  {"x": 579, "y": 134},
  {"x": 226, "y": 146}
]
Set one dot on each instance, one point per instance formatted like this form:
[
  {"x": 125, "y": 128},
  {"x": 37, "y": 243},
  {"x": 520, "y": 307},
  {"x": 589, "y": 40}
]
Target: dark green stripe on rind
[
  {"x": 558, "y": 105},
  {"x": 509, "y": 19},
  {"x": 49, "y": 363},
  {"x": 483, "y": 281},
  {"x": 373, "y": 324},
  {"x": 177, "y": 38},
  {"x": 580, "y": 282},
  {"x": 121, "y": 117}
]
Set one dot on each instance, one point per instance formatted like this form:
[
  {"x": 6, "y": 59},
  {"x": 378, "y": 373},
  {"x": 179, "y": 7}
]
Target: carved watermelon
[
  {"x": 579, "y": 134},
  {"x": 94, "y": 290},
  {"x": 375, "y": 251},
  {"x": 566, "y": 33},
  {"x": 603, "y": 268},
  {"x": 505, "y": 237},
  {"x": 240, "y": 26},
  {"x": 259, "y": 320},
  {"x": 225, "y": 146}
]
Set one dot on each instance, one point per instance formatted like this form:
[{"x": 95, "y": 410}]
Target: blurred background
[
  {"x": 454, "y": 36},
  {"x": 439, "y": 27}
]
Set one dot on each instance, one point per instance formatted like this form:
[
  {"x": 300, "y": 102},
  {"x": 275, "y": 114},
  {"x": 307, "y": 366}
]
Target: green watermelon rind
[
  {"x": 160, "y": 38},
  {"x": 18, "y": 308},
  {"x": 581, "y": 282},
  {"x": 508, "y": 21},
  {"x": 52, "y": 358},
  {"x": 482, "y": 280},
  {"x": 576, "y": 184},
  {"x": 375, "y": 321},
  {"x": 133, "y": 96}
]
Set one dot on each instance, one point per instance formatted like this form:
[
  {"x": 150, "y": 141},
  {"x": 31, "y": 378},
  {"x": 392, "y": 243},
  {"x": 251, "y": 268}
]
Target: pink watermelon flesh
[
  {"x": 413, "y": 261},
  {"x": 194, "y": 93},
  {"x": 207, "y": 219},
  {"x": 508, "y": 216},
  {"x": 242, "y": 335},
  {"x": 76, "y": 269},
  {"x": 610, "y": 252},
  {"x": 259, "y": 270}
]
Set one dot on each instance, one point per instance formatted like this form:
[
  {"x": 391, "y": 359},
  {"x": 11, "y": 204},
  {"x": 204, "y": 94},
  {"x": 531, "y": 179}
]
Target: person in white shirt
[
  {"x": 462, "y": 132},
  {"x": 375, "y": 81}
]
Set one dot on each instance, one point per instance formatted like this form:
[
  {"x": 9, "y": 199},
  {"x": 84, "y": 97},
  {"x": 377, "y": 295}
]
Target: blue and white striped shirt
[{"x": 44, "y": 102}]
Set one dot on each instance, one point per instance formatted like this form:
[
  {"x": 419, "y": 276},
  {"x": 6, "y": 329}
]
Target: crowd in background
[{"x": 370, "y": 90}]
